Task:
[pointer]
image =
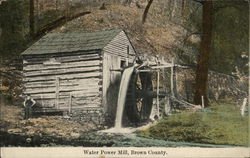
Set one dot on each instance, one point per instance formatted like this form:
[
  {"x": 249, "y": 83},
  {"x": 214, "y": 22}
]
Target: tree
[
  {"x": 183, "y": 7},
  {"x": 32, "y": 18},
  {"x": 203, "y": 57},
  {"x": 145, "y": 13},
  {"x": 173, "y": 5},
  {"x": 15, "y": 26},
  {"x": 67, "y": 7},
  {"x": 230, "y": 22}
]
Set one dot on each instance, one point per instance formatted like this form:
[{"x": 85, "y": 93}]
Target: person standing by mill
[{"x": 28, "y": 104}]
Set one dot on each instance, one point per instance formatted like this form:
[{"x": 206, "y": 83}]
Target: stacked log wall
[{"x": 65, "y": 82}]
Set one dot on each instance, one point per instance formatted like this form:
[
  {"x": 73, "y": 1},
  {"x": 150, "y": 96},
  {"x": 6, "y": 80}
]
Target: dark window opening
[{"x": 123, "y": 64}]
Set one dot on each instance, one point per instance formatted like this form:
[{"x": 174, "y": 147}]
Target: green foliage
[
  {"x": 184, "y": 127},
  {"x": 14, "y": 27},
  {"x": 221, "y": 124},
  {"x": 230, "y": 37},
  {"x": 230, "y": 41},
  {"x": 188, "y": 51}
]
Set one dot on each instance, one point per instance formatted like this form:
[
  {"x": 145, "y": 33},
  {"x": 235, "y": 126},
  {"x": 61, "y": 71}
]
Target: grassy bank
[{"x": 218, "y": 124}]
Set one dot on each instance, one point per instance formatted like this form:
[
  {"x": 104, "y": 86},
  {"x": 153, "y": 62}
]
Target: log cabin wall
[
  {"x": 65, "y": 82},
  {"x": 118, "y": 54}
]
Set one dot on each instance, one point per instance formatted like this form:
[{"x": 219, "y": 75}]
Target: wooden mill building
[{"x": 75, "y": 73}]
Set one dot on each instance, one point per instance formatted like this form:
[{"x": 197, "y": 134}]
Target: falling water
[
  {"x": 122, "y": 96},
  {"x": 121, "y": 103}
]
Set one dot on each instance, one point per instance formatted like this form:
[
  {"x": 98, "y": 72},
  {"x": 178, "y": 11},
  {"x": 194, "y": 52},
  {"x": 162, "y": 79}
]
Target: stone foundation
[{"x": 88, "y": 115}]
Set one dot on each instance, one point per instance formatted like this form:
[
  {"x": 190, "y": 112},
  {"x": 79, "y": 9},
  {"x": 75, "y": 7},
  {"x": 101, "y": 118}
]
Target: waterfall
[
  {"x": 121, "y": 103},
  {"x": 122, "y": 96}
]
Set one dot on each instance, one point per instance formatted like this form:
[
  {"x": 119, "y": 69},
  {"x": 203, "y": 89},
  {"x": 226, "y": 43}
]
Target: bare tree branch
[
  {"x": 145, "y": 13},
  {"x": 32, "y": 19}
]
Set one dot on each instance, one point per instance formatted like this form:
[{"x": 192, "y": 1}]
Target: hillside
[{"x": 154, "y": 36}]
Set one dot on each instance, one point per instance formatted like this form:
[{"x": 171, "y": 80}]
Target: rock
[
  {"x": 66, "y": 117},
  {"x": 74, "y": 134},
  {"x": 15, "y": 130},
  {"x": 31, "y": 132},
  {"x": 28, "y": 140}
]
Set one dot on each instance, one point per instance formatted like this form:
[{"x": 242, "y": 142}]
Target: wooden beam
[
  {"x": 149, "y": 70},
  {"x": 85, "y": 89},
  {"x": 202, "y": 102},
  {"x": 158, "y": 90},
  {"x": 85, "y": 108},
  {"x": 62, "y": 84},
  {"x": 70, "y": 82},
  {"x": 116, "y": 70},
  {"x": 172, "y": 78},
  {"x": 70, "y": 102},
  {"x": 62, "y": 57},
  {"x": 64, "y": 76},
  {"x": 59, "y": 55},
  {"x": 161, "y": 66},
  {"x": 66, "y": 61},
  {"x": 184, "y": 103},
  {"x": 63, "y": 65},
  {"x": 62, "y": 71},
  {"x": 65, "y": 95},
  {"x": 167, "y": 106},
  {"x": 57, "y": 92},
  {"x": 243, "y": 107}
]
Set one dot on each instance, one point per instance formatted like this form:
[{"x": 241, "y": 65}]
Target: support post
[
  {"x": 41, "y": 100},
  {"x": 57, "y": 93},
  {"x": 127, "y": 60},
  {"x": 172, "y": 78},
  {"x": 243, "y": 107},
  {"x": 158, "y": 91},
  {"x": 70, "y": 102},
  {"x": 202, "y": 102},
  {"x": 167, "y": 106}
]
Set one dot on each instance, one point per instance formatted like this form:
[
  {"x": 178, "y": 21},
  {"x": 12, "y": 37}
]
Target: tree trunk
[
  {"x": 56, "y": 5},
  {"x": 32, "y": 19},
  {"x": 67, "y": 7},
  {"x": 37, "y": 8},
  {"x": 203, "y": 58},
  {"x": 145, "y": 13},
  {"x": 173, "y": 9},
  {"x": 183, "y": 7}
]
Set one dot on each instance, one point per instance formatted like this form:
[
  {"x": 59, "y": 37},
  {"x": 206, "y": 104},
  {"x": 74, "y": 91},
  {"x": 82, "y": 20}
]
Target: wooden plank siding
[
  {"x": 120, "y": 46},
  {"x": 78, "y": 76},
  {"x": 117, "y": 50}
]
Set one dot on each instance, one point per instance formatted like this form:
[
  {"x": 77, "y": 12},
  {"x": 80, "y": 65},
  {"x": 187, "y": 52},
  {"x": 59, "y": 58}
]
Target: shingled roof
[{"x": 71, "y": 42}]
